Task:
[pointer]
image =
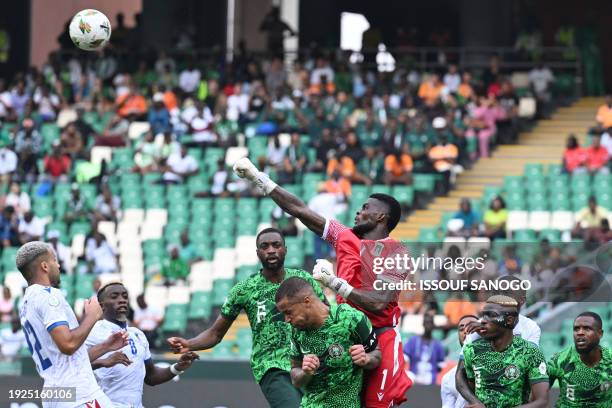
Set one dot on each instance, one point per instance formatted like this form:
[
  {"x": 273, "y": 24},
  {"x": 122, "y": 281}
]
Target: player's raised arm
[
  {"x": 68, "y": 341},
  {"x": 207, "y": 339},
  {"x": 288, "y": 202},
  {"x": 114, "y": 342},
  {"x": 156, "y": 375}
]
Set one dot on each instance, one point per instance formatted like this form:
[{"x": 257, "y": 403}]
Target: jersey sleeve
[
  {"x": 553, "y": 370},
  {"x": 533, "y": 333},
  {"x": 50, "y": 306},
  {"x": 364, "y": 334},
  {"x": 332, "y": 231},
  {"x": 446, "y": 392},
  {"x": 537, "y": 367},
  {"x": 468, "y": 357},
  {"x": 95, "y": 337},
  {"x": 294, "y": 349},
  {"x": 232, "y": 306}
]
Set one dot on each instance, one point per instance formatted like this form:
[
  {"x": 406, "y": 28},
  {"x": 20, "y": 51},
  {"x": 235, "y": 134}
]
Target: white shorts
[{"x": 98, "y": 400}]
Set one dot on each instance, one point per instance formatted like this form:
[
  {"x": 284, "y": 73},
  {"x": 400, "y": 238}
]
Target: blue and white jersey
[
  {"x": 42, "y": 310},
  {"x": 122, "y": 384}
]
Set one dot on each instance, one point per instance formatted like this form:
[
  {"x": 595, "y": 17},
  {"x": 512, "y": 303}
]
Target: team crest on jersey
[
  {"x": 605, "y": 386},
  {"x": 542, "y": 368},
  {"x": 378, "y": 248},
  {"x": 512, "y": 372},
  {"x": 335, "y": 350},
  {"x": 53, "y": 301}
]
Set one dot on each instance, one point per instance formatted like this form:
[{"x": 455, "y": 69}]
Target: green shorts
[{"x": 279, "y": 391}]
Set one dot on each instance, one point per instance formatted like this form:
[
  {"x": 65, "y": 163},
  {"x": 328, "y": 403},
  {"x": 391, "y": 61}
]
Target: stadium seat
[
  {"x": 200, "y": 306},
  {"x": 175, "y": 318},
  {"x": 533, "y": 171},
  {"x": 424, "y": 183},
  {"x": 517, "y": 220},
  {"x": 562, "y": 220},
  {"x": 403, "y": 194},
  {"x": 221, "y": 288},
  {"x": 513, "y": 184}
]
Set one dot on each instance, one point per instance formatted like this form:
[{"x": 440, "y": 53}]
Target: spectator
[
  {"x": 275, "y": 76},
  {"x": 57, "y": 164},
  {"x": 425, "y": 353},
  {"x": 71, "y": 141},
  {"x": 147, "y": 154},
  {"x": 12, "y": 339},
  {"x": 295, "y": 161},
  {"x": 284, "y": 222},
  {"x": 6, "y": 305},
  {"x": 61, "y": 250},
  {"x": 131, "y": 104},
  {"x": 465, "y": 90},
  {"x": 324, "y": 147},
  {"x": 31, "y": 228},
  {"x": 159, "y": 117},
  {"x": 443, "y": 158},
  {"x": 606, "y": 142},
  {"x": 101, "y": 257},
  {"x": 398, "y": 167},
  {"x": 495, "y": 219},
  {"x": 8, "y": 160},
  {"x": 481, "y": 123},
  {"x": 452, "y": 79},
  {"x": 328, "y": 206},
  {"x": 84, "y": 128},
  {"x": 574, "y": 157},
  {"x": 19, "y": 200},
  {"x": 511, "y": 264},
  {"x": 337, "y": 184},
  {"x": 589, "y": 218},
  {"x": 276, "y": 29},
  {"x": 200, "y": 120},
  {"x": 600, "y": 235},
  {"x": 371, "y": 166},
  {"x": 86, "y": 171},
  {"x": 76, "y": 207},
  {"x": 323, "y": 73},
  {"x": 430, "y": 91},
  {"x": 541, "y": 79},
  {"x": 489, "y": 75},
  {"x": 219, "y": 180},
  {"x": 107, "y": 206},
  {"x": 164, "y": 63},
  {"x": 28, "y": 145},
  {"x": 147, "y": 318},
  {"x": 597, "y": 157},
  {"x": 507, "y": 122},
  {"x": 604, "y": 114},
  {"x": 9, "y": 227},
  {"x": 276, "y": 152},
  {"x": 237, "y": 104},
  {"x": 469, "y": 221},
  {"x": 189, "y": 78},
  {"x": 7, "y": 113},
  {"x": 174, "y": 269},
  {"x": 20, "y": 98},
  {"x": 47, "y": 103},
  {"x": 178, "y": 167},
  {"x": 187, "y": 250},
  {"x": 115, "y": 132}
]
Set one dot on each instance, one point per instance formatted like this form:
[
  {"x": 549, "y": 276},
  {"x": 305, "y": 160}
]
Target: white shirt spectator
[
  {"x": 103, "y": 256},
  {"x": 107, "y": 209},
  {"x": 450, "y": 396},
  {"x": 540, "y": 78},
  {"x": 237, "y": 105},
  {"x": 179, "y": 164},
  {"x": 189, "y": 80},
  {"x": 606, "y": 142},
  {"x": 11, "y": 343},
  {"x": 34, "y": 228},
  {"x": 328, "y": 205},
  {"x": 218, "y": 182},
  {"x": 5, "y": 103},
  {"x": 47, "y": 104},
  {"x": 317, "y": 73},
  {"x": 8, "y": 161},
  {"x": 452, "y": 81},
  {"x": 276, "y": 154},
  {"x": 148, "y": 319},
  {"x": 21, "y": 203}
]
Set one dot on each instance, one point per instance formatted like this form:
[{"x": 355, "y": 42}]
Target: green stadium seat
[
  {"x": 551, "y": 235},
  {"x": 524, "y": 236},
  {"x": 581, "y": 183},
  {"x": 428, "y": 234},
  {"x": 175, "y": 318},
  {"x": 83, "y": 286},
  {"x": 513, "y": 184},
  {"x": 197, "y": 184},
  {"x": 499, "y": 245},
  {"x": 533, "y": 171},
  {"x": 266, "y": 206},
  {"x": 360, "y": 193},
  {"x": 122, "y": 158},
  {"x": 558, "y": 182},
  {"x": 295, "y": 189},
  {"x": 177, "y": 193},
  {"x": 224, "y": 205},
  {"x": 153, "y": 246},
  {"x": 554, "y": 170},
  {"x": 537, "y": 201},
  {"x": 380, "y": 189},
  {"x": 8, "y": 259},
  {"x": 403, "y": 194},
  {"x": 515, "y": 201},
  {"x": 201, "y": 206},
  {"x": 224, "y": 350},
  {"x": 245, "y": 271},
  {"x": 489, "y": 193},
  {"x": 151, "y": 178},
  {"x": 221, "y": 288},
  {"x": 538, "y": 185},
  {"x": 50, "y": 132},
  {"x": 76, "y": 228},
  {"x": 200, "y": 305}
]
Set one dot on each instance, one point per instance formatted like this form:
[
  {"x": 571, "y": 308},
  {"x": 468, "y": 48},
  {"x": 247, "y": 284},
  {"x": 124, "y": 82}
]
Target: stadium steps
[{"x": 543, "y": 144}]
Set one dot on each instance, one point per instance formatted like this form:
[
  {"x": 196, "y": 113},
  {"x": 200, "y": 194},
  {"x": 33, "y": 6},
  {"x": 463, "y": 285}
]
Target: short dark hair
[
  {"x": 395, "y": 209},
  {"x": 291, "y": 287},
  {"x": 267, "y": 231},
  {"x": 595, "y": 317},
  {"x": 103, "y": 288}
]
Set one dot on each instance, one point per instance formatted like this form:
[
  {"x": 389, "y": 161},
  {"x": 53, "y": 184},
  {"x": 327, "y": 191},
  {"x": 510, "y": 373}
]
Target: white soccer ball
[{"x": 90, "y": 30}]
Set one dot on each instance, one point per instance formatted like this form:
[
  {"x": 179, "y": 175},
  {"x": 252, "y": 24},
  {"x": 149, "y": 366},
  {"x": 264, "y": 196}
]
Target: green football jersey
[
  {"x": 582, "y": 386},
  {"x": 271, "y": 335},
  {"x": 504, "y": 379},
  {"x": 337, "y": 382}
]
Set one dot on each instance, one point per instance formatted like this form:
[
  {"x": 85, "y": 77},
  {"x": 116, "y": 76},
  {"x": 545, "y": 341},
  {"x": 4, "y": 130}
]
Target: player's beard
[{"x": 361, "y": 229}]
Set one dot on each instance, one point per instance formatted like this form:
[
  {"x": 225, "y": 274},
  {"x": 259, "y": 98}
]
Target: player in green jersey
[
  {"x": 330, "y": 346},
  {"x": 504, "y": 370},
  {"x": 584, "y": 370},
  {"x": 271, "y": 334}
]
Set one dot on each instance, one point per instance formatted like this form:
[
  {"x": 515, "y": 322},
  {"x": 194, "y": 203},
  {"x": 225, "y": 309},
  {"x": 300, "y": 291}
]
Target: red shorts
[{"x": 386, "y": 386}]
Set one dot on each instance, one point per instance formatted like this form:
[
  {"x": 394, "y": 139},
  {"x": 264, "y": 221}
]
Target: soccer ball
[{"x": 90, "y": 30}]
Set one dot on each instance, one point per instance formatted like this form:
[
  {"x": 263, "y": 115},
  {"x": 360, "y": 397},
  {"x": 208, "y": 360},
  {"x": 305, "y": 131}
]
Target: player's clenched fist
[
  {"x": 245, "y": 169},
  {"x": 323, "y": 271},
  {"x": 359, "y": 355},
  {"x": 92, "y": 308},
  {"x": 178, "y": 344},
  {"x": 310, "y": 364}
]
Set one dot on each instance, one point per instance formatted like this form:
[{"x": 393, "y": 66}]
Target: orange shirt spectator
[
  {"x": 131, "y": 104},
  {"x": 442, "y": 155},
  {"x": 339, "y": 185},
  {"x": 465, "y": 90},
  {"x": 604, "y": 113},
  {"x": 170, "y": 100},
  {"x": 430, "y": 90},
  {"x": 397, "y": 168},
  {"x": 345, "y": 166}
]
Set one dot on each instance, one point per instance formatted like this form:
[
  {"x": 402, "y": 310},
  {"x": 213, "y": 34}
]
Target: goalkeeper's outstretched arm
[{"x": 288, "y": 202}]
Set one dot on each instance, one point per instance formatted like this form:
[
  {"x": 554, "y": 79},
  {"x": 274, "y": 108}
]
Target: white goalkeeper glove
[
  {"x": 247, "y": 170},
  {"x": 323, "y": 272}
]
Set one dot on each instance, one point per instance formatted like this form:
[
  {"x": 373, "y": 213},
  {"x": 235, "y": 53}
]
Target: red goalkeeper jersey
[{"x": 356, "y": 263}]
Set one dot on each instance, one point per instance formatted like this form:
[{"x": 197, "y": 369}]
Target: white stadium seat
[
  {"x": 562, "y": 220},
  {"x": 133, "y": 215},
  {"x": 157, "y": 296},
  {"x": 178, "y": 295},
  {"x": 106, "y": 278},
  {"x": 137, "y": 129},
  {"x": 539, "y": 220},
  {"x": 517, "y": 220},
  {"x": 101, "y": 153},
  {"x": 15, "y": 282}
]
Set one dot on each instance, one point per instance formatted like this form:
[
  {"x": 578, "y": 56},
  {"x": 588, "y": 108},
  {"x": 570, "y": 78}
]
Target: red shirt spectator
[
  {"x": 596, "y": 156},
  {"x": 57, "y": 164},
  {"x": 574, "y": 155}
]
